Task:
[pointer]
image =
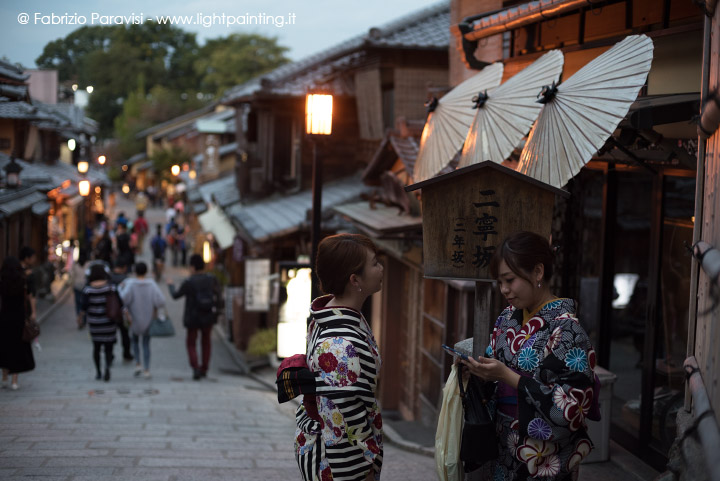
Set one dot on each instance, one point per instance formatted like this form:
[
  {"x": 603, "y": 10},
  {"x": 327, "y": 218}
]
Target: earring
[
  {"x": 539, "y": 284},
  {"x": 359, "y": 289}
]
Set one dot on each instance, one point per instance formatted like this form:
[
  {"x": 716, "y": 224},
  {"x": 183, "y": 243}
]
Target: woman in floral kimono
[
  {"x": 542, "y": 361},
  {"x": 339, "y": 430}
]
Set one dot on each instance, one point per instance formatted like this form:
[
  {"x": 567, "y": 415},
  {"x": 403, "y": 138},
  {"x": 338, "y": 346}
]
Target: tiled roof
[
  {"x": 280, "y": 215},
  {"x": 22, "y": 110},
  {"x": 14, "y": 92},
  {"x": 12, "y": 72},
  {"x": 428, "y": 28},
  {"x": 17, "y": 200}
]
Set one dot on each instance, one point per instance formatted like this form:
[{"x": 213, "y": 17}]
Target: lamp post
[
  {"x": 12, "y": 174},
  {"x": 318, "y": 125}
]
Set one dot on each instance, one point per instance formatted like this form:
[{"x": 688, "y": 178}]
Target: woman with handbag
[
  {"x": 541, "y": 362},
  {"x": 142, "y": 297},
  {"x": 339, "y": 433},
  {"x": 102, "y": 328},
  {"x": 15, "y": 354}
]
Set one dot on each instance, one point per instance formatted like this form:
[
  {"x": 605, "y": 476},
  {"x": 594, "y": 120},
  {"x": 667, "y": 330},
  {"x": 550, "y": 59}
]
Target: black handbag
[{"x": 479, "y": 443}]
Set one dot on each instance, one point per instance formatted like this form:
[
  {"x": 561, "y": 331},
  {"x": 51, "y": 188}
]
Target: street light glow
[
  {"x": 84, "y": 187},
  {"x": 83, "y": 166},
  {"x": 71, "y": 145},
  {"x": 318, "y": 114},
  {"x": 102, "y": 159},
  {"x": 192, "y": 174},
  {"x": 175, "y": 169},
  {"x": 125, "y": 168},
  {"x": 126, "y": 189},
  {"x": 89, "y": 89}
]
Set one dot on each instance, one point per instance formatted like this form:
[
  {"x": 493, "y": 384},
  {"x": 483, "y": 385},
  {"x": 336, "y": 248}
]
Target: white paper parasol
[
  {"x": 504, "y": 116},
  {"x": 447, "y": 126},
  {"x": 584, "y": 111}
]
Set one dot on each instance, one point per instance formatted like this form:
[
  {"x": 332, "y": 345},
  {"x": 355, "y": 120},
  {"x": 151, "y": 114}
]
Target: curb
[
  {"x": 60, "y": 297},
  {"x": 393, "y": 437},
  {"x": 234, "y": 354}
]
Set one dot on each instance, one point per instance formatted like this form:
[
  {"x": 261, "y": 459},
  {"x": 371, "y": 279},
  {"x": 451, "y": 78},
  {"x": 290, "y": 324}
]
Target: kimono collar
[{"x": 323, "y": 314}]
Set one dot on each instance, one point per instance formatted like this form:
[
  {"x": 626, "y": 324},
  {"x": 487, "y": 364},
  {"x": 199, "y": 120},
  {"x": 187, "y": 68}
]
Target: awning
[
  {"x": 279, "y": 216},
  {"x": 12, "y": 202},
  {"x": 215, "y": 222},
  {"x": 379, "y": 220},
  {"x": 41, "y": 208}
]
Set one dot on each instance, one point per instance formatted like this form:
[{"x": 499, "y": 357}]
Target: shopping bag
[
  {"x": 161, "y": 325},
  {"x": 449, "y": 430}
]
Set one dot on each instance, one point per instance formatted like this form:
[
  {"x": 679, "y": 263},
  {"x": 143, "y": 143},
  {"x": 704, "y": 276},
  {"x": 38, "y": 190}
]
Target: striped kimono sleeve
[{"x": 345, "y": 385}]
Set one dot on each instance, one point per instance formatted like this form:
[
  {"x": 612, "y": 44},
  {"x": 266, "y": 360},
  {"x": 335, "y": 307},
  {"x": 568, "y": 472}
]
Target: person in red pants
[{"x": 202, "y": 304}]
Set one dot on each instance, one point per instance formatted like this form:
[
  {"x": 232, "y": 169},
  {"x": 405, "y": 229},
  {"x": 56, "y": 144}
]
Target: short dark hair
[
  {"x": 140, "y": 268},
  {"x": 26, "y": 252},
  {"x": 338, "y": 257},
  {"x": 197, "y": 262},
  {"x": 97, "y": 272},
  {"x": 522, "y": 251},
  {"x": 120, "y": 261}
]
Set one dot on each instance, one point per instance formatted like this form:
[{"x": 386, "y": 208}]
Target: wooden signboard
[{"x": 467, "y": 214}]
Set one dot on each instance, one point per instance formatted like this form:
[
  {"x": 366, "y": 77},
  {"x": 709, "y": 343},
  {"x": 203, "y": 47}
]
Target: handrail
[{"x": 705, "y": 422}]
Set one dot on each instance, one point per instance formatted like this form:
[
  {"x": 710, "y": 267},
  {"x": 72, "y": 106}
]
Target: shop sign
[{"x": 468, "y": 213}]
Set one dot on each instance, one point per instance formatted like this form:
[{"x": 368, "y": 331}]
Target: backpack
[
  {"x": 157, "y": 247},
  {"x": 205, "y": 300}
]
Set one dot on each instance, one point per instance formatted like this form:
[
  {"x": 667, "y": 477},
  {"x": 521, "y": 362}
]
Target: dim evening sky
[{"x": 318, "y": 24}]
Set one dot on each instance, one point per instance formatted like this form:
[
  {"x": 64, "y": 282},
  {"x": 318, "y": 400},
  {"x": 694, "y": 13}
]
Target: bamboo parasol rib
[{"x": 585, "y": 111}]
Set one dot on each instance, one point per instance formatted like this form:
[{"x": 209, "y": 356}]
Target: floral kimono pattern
[
  {"x": 345, "y": 442},
  {"x": 547, "y": 438}
]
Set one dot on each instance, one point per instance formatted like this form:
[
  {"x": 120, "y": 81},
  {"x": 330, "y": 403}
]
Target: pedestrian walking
[
  {"x": 78, "y": 281},
  {"x": 158, "y": 245},
  {"x": 27, "y": 260},
  {"x": 340, "y": 436},
  {"x": 102, "y": 328},
  {"x": 124, "y": 249},
  {"x": 15, "y": 354},
  {"x": 541, "y": 362},
  {"x": 103, "y": 250},
  {"x": 141, "y": 203},
  {"x": 143, "y": 298},
  {"x": 202, "y": 303},
  {"x": 141, "y": 229},
  {"x": 117, "y": 277}
]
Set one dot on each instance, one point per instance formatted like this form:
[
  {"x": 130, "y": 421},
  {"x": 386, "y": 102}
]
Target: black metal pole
[{"x": 316, "y": 216}]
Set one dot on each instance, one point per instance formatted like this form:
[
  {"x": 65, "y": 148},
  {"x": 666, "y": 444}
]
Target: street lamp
[
  {"x": 318, "y": 125},
  {"x": 12, "y": 174},
  {"x": 175, "y": 170},
  {"x": 71, "y": 145},
  {"x": 84, "y": 187},
  {"x": 83, "y": 166},
  {"x": 102, "y": 159}
]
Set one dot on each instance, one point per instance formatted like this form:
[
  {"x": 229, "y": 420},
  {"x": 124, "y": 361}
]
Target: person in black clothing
[
  {"x": 122, "y": 241},
  {"x": 27, "y": 260},
  {"x": 103, "y": 250},
  {"x": 119, "y": 274},
  {"x": 15, "y": 354},
  {"x": 202, "y": 303}
]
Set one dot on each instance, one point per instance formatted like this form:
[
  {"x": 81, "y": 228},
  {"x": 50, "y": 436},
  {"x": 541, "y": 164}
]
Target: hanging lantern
[
  {"x": 12, "y": 174},
  {"x": 175, "y": 170},
  {"x": 84, "y": 187},
  {"x": 83, "y": 166}
]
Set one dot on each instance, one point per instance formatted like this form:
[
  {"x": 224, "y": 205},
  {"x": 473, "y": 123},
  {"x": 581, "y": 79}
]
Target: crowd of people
[{"x": 106, "y": 276}]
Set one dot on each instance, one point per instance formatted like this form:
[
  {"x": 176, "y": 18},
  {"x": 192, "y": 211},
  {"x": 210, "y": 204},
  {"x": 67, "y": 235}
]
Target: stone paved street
[{"x": 62, "y": 424}]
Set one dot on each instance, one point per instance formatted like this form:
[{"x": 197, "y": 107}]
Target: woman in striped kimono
[
  {"x": 339, "y": 435},
  {"x": 102, "y": 328}
]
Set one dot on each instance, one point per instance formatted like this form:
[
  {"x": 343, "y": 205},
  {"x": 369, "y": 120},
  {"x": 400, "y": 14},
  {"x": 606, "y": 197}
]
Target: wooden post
[{"x": 483, "y": 316}]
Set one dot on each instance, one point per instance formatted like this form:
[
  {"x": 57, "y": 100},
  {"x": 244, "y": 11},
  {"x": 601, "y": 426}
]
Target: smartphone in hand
[{"x": 454, "y": 352}]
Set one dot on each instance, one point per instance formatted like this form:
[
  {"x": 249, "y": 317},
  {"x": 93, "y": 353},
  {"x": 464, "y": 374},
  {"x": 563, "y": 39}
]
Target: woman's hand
[{"x": 489, "y": 369}]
